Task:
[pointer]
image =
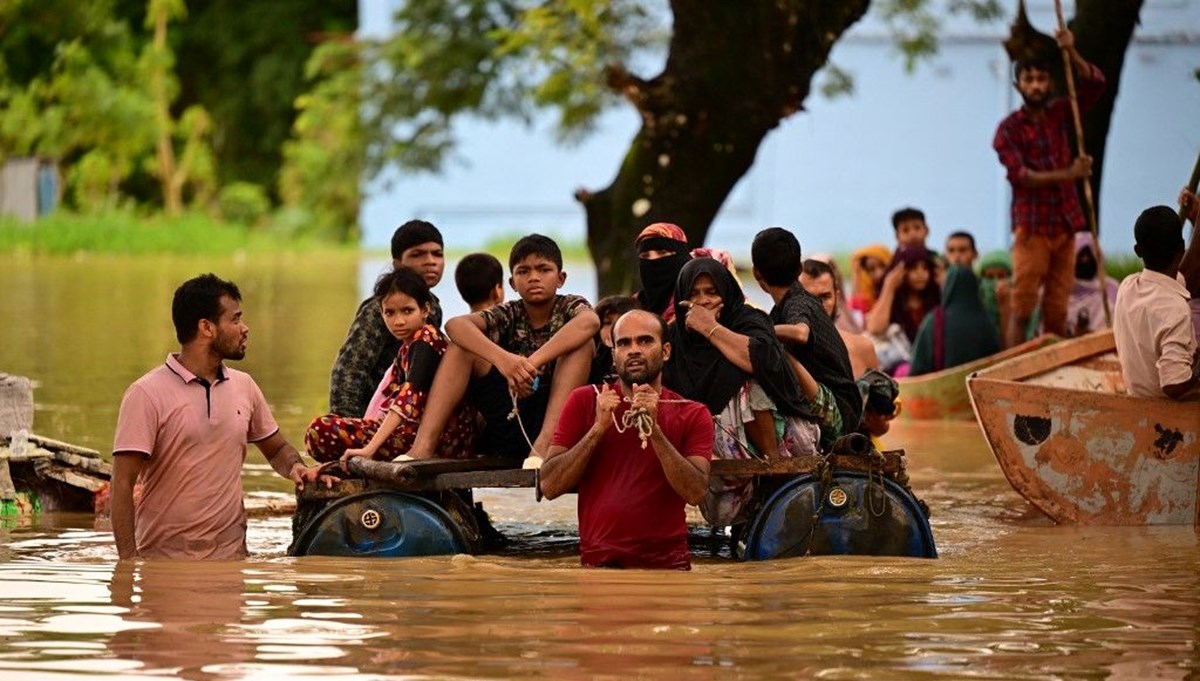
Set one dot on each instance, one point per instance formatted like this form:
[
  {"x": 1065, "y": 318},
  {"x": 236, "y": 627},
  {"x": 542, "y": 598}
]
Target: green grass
[
  {"x": 1121, "y": 265},
  {"x": 126, "y": 232}
]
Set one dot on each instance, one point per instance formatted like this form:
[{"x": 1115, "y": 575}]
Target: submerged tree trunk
[
  {"x": 734, "y": 71},
  {"x": 1103, "y": 30}
]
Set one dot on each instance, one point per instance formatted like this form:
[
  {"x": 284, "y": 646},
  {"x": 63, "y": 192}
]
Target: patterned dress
[
  {"x": 365, "y": 356},
  {"x": 329, "y": 436},
  {"x": 729, "y": 499}
]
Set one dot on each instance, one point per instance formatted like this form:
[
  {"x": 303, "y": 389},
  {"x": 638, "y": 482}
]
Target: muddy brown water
[{"x": 1011, "y": 597}]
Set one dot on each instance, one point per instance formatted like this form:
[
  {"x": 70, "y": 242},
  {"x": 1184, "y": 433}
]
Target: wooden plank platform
[{"x": 434, "y": 475}]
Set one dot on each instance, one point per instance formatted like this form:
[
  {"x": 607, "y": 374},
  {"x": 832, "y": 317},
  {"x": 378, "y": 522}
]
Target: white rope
[
  {"x": 637, "y": 418},
  {"x": 516, "y": 414}
]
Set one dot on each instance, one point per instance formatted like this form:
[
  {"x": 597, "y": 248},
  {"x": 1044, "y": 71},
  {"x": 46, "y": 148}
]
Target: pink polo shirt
[
  {"x": 194, "y": 439},
  {"x": 1152, "y": 326}
]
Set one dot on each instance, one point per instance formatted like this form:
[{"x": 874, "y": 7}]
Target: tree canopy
[{"x": 84, "y": 83}]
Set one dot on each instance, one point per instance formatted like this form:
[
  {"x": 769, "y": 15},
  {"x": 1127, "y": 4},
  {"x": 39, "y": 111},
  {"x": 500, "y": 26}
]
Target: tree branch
[{"x": 632, "y": 88}]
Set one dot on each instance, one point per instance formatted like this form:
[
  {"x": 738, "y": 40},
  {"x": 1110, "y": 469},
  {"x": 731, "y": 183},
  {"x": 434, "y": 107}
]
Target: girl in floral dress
[{"x": 390, "y": 425}]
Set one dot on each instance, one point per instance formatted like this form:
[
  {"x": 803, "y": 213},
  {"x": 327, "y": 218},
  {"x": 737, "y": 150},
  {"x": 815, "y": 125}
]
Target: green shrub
[
  {"x": 243, "y": 202},
  {"x": 1121, "y": 265}
]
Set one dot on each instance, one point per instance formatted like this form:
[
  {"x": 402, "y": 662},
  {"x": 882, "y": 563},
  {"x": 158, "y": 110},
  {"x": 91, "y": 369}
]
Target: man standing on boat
[
  {"x": 183, "y": 429},
  {"x": 1152, "y": 324},
  {"x": 1046, "y": 213},
  {"x": 637, "y": 454}
]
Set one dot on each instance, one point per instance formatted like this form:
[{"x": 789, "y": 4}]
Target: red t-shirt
[{"x": 629, "y": 515}]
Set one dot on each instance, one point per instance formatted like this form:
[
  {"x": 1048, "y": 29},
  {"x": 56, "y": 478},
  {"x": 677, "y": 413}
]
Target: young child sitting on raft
[
  {"x": 523, "y": 356},
  {"x": 389, "y": 427}
]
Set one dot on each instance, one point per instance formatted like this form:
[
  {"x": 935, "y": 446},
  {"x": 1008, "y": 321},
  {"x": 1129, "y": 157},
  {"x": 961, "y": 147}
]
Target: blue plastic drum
[
  {"x": 857, "y": 515},
  {"x": 382, "y": 524}
]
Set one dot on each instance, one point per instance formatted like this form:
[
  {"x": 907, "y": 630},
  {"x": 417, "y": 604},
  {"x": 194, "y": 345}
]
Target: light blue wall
[{"x": 835, "y": 173}]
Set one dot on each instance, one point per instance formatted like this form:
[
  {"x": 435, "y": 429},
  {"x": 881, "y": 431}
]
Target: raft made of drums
[{"x": 852, "y": 501}]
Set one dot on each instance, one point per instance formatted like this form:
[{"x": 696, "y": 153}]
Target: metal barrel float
[
  {"x": 835, "y": 510},
  {"x": 844, "y": 512},
  {"x": 381, "y": 524}
]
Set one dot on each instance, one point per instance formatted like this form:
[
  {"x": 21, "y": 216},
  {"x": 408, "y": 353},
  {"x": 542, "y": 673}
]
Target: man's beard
[
  {"x": 1038, "y": 103},
  {"x": 648, "y": 373},
  {"x": 231, "y": 349}
]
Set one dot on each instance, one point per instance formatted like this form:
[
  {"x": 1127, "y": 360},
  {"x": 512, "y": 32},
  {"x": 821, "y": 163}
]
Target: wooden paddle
[{"x": 1069, "y": 76}]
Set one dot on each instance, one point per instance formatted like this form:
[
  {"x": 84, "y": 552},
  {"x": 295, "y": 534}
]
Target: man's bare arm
[
  {"x": 127, "y": 466},
  {"x": 1189, "y": 267},
  {"x": 286, "y": 461},
  {"x": 563, "y": 468},
  {"x": 792, "y": 333},
  {"x": 688, "y": 475}
]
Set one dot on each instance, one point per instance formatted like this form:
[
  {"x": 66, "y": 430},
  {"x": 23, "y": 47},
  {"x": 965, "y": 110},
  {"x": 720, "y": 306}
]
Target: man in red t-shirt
[{"x": 632, "y": 493}]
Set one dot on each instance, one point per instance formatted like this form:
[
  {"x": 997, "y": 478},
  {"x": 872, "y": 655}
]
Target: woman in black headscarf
[
  {"x": 726, "y": 356},
  {"x": 662, "y": 251}
]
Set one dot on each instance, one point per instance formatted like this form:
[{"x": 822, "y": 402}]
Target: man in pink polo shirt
[{"x": 183, "y": 428}]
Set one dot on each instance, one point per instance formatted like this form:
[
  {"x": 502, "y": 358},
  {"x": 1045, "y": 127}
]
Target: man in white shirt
[{"x": 1152, "y": 321}]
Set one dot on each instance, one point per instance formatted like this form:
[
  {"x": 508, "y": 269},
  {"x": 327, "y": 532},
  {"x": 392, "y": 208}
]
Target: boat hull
[
  {"x": 942, "y": 395},
  {"x": 1083, "y": 452}
]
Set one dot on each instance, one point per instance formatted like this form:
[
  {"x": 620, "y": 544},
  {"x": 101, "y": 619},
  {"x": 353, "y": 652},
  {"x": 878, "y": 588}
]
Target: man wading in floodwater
[
  {"x": 636, "y": 452},
  {"x": 183, "y": 429}
]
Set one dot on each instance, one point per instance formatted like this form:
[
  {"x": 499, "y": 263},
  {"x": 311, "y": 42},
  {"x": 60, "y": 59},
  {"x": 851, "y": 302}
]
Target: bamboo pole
[
  {"x": 1191, "y": 185},
  {"x": 1069, "y": 75}
]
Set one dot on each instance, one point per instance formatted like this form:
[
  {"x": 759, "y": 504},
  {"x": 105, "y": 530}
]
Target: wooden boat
[
  {"x": 943, "y": 394},
  {"x": 855, "y": 500},
  {"x": 1071, "y": 442},
  {"x": 41, "y": 474}
]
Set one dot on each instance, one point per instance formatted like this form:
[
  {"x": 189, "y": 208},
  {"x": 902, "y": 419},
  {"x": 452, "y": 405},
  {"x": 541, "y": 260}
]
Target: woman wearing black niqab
[
  {"x": 662, "y": 251},
  {"x": 726, "y": 356}
]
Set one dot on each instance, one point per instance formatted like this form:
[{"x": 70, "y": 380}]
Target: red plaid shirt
[{"x": 1026, "y": 145}]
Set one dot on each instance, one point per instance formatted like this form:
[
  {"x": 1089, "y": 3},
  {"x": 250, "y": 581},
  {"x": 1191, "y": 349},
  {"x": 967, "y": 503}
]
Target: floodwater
[{"x": 1011, "y": 597}]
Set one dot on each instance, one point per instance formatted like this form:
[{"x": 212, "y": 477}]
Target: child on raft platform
[
  {"x": 389, "y": 426},
  {"x": 517, "y": 361}
]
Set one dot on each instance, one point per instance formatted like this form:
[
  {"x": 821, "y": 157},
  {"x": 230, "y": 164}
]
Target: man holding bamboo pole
[{"x": 1032, "y": 143}]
